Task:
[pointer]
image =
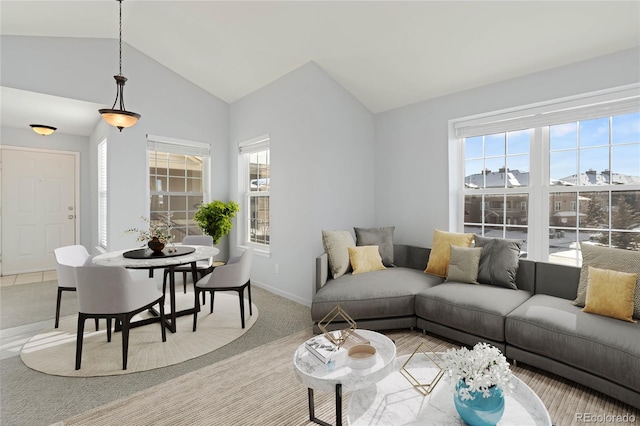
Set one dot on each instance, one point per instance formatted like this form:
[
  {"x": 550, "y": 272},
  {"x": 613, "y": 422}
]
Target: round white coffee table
[
  {"x": 394, "y": 401},
  {"x": 315, "y": 376}
]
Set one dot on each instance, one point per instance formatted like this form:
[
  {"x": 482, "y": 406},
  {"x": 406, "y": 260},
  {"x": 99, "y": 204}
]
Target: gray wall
[
  {"x": 335, "y": 165},
  {"x": 322, "y": 170},
  {"x": 412, "y": 164},
  {"x": 170, "y": 106}
]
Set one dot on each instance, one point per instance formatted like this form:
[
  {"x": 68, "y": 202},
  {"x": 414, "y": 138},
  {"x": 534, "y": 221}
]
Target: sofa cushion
[
  {"x": 381, "y": 294},
  {"x": 381, "y": 237},
  {"x": 463, "y": 264},
  {"x": 336, "y": 244},
  {"x": 553, "y": 327},
  {"x": 499, "y": 261},
  {"x": 608, "y": 258},
  {"x": 475, "y": 309},
  {"x": 610, "y": 293},
  {"x": 438, "y": 264},
  {"x": 365, "y": 259}
]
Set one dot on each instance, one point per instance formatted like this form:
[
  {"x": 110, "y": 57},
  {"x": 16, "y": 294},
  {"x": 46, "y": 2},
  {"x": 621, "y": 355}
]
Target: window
[
  {"x": 496, "y": 181},
  {"x": 595, "y": 174},
  {"x": 102, "y": 194},
  {"x": 572, "y": 166},
  {"x": 255, "y": 168},
  {"x": 178, "y": 180}
]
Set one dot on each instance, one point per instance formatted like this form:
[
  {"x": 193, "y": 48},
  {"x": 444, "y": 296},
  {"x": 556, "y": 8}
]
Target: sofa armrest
[{"x": 322, "y": 270}]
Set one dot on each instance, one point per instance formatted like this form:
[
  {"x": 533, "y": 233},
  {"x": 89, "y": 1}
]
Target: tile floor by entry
[
  {"x": 33, "y": 277},
  {"x": 12, "y": 339}
]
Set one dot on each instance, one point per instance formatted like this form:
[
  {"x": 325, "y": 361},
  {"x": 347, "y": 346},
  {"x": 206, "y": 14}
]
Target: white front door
[{"x": 38, "y": 208}]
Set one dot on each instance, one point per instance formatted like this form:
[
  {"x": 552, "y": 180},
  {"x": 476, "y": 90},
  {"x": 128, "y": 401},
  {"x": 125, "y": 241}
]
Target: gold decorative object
[
  {"x": 424, "y": 385},
  {"x": 341, "y": 336}
]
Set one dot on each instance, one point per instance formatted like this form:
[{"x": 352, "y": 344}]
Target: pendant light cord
[{"x": 120, "y": 35}]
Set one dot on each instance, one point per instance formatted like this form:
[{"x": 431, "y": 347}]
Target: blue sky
[{"x": 584, "y": 145}]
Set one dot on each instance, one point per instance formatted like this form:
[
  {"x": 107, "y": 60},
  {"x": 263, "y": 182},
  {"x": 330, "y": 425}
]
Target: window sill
[{"x": 259, "y": 251}]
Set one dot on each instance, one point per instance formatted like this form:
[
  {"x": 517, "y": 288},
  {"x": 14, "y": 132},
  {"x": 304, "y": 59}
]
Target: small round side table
[{"x": 315, "y": 376}]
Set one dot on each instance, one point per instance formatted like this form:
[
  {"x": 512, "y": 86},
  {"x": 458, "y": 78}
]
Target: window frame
[
  {"x": 245, "y": 149},
  {"x": 103, "y": 195},
  {"x": 539, "y": 117}
]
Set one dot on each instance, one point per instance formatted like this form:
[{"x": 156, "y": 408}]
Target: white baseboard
[{"x": 281, "y": 293}]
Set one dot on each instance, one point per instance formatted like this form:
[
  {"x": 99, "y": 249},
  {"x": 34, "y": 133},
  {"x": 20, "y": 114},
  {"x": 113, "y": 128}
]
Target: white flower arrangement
[
  {"x": 481, "y": 368},
  {"x": 160, "y": 229}
]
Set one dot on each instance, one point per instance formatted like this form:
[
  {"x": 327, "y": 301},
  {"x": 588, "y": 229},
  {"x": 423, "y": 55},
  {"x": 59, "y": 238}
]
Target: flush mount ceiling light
[
  {"x": 120, "y": 117},
  {"x": 43, "y": 130}
]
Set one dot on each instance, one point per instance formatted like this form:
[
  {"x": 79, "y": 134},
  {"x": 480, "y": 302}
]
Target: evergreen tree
[
  {"x": 595, "y": 214},
  {"x": 623, "y": 217}
]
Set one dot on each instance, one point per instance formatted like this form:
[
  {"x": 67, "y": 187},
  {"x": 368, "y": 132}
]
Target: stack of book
[{"x": 325, "y": 351}]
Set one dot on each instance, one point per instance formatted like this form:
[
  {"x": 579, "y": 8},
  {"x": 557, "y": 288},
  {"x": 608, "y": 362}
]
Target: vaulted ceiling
[{"x": 386, "y": 53}]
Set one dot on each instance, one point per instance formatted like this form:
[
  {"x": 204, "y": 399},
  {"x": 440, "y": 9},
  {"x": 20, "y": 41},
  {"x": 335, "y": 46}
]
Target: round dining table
[{"x": 169, "y": 258}]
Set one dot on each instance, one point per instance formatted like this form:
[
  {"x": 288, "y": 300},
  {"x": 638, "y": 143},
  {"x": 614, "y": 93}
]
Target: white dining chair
[
  {"x": 203, "y": 266},
  {"x": 110, "y": 292},
  {"x": 234, "y": 276},
  {"x": 67, "y": 259}
]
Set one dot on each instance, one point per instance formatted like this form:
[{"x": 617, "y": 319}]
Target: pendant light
[
  {"x": 120, "y": 117},
  {"x": 43, "y": 130}
]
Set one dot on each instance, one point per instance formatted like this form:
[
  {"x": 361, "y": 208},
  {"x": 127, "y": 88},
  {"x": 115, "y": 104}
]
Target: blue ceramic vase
[{"x": 480, "y": 411}]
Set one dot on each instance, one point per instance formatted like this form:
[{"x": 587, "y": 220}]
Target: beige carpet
[
  {"x": 258, "y": 387},
  {"x": 53, "y": 351}
]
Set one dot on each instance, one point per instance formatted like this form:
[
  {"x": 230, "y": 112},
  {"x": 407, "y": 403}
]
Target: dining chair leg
[
  {"x": 204, "y": 293},
  {"x": 164, "y": 331},
  {"x": 241, "y": 295},
  {"x": 212, "y": 294},
  {"x": 58, "y": 307},
  {"x": 184, "y": 281},
  {"x": 250, "y": 308},
  {"x": 195, "y": 311},
  {"x": 108, "y": 329},
  {"x": 125, "y": 340},
  {"x": 79, "y": 338},
  {"x": 97, "y": 324}
]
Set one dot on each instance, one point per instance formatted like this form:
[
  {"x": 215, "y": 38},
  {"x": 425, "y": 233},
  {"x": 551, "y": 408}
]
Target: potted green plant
[{"x": 215, "y": 218}]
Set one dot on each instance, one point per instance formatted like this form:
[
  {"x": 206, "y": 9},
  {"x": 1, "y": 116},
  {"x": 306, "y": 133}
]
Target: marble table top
[
  {"x": 394, "y": 401},
  {"x": 115, "y": 258},
  {"x": 313, "y": 374}
]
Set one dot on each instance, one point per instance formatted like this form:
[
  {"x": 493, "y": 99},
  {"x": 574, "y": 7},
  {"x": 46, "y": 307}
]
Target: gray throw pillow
[
  {"x": 608, "y": 258},
  {"x": 336, "y": 244},
  {"x": 499, "y": 261},
  {"x": 463, "y": 264},
  {"x": 381, "y": 237}
]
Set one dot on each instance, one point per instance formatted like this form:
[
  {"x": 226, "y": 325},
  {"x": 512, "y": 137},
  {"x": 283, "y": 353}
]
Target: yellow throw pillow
[
  {"x": 441, "y": 250},
  {"x": 365, "y": 259},
  {"x": 610, "y": 293}
]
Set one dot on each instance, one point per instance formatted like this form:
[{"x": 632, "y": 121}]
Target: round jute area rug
[{"x": 53, "y": 351}]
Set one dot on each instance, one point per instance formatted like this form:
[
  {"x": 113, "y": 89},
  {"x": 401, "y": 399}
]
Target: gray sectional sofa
[{"x": 536, "y": 324}]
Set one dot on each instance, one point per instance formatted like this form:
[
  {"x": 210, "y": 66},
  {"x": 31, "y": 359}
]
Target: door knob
[{"x": 71, "y": 216}]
